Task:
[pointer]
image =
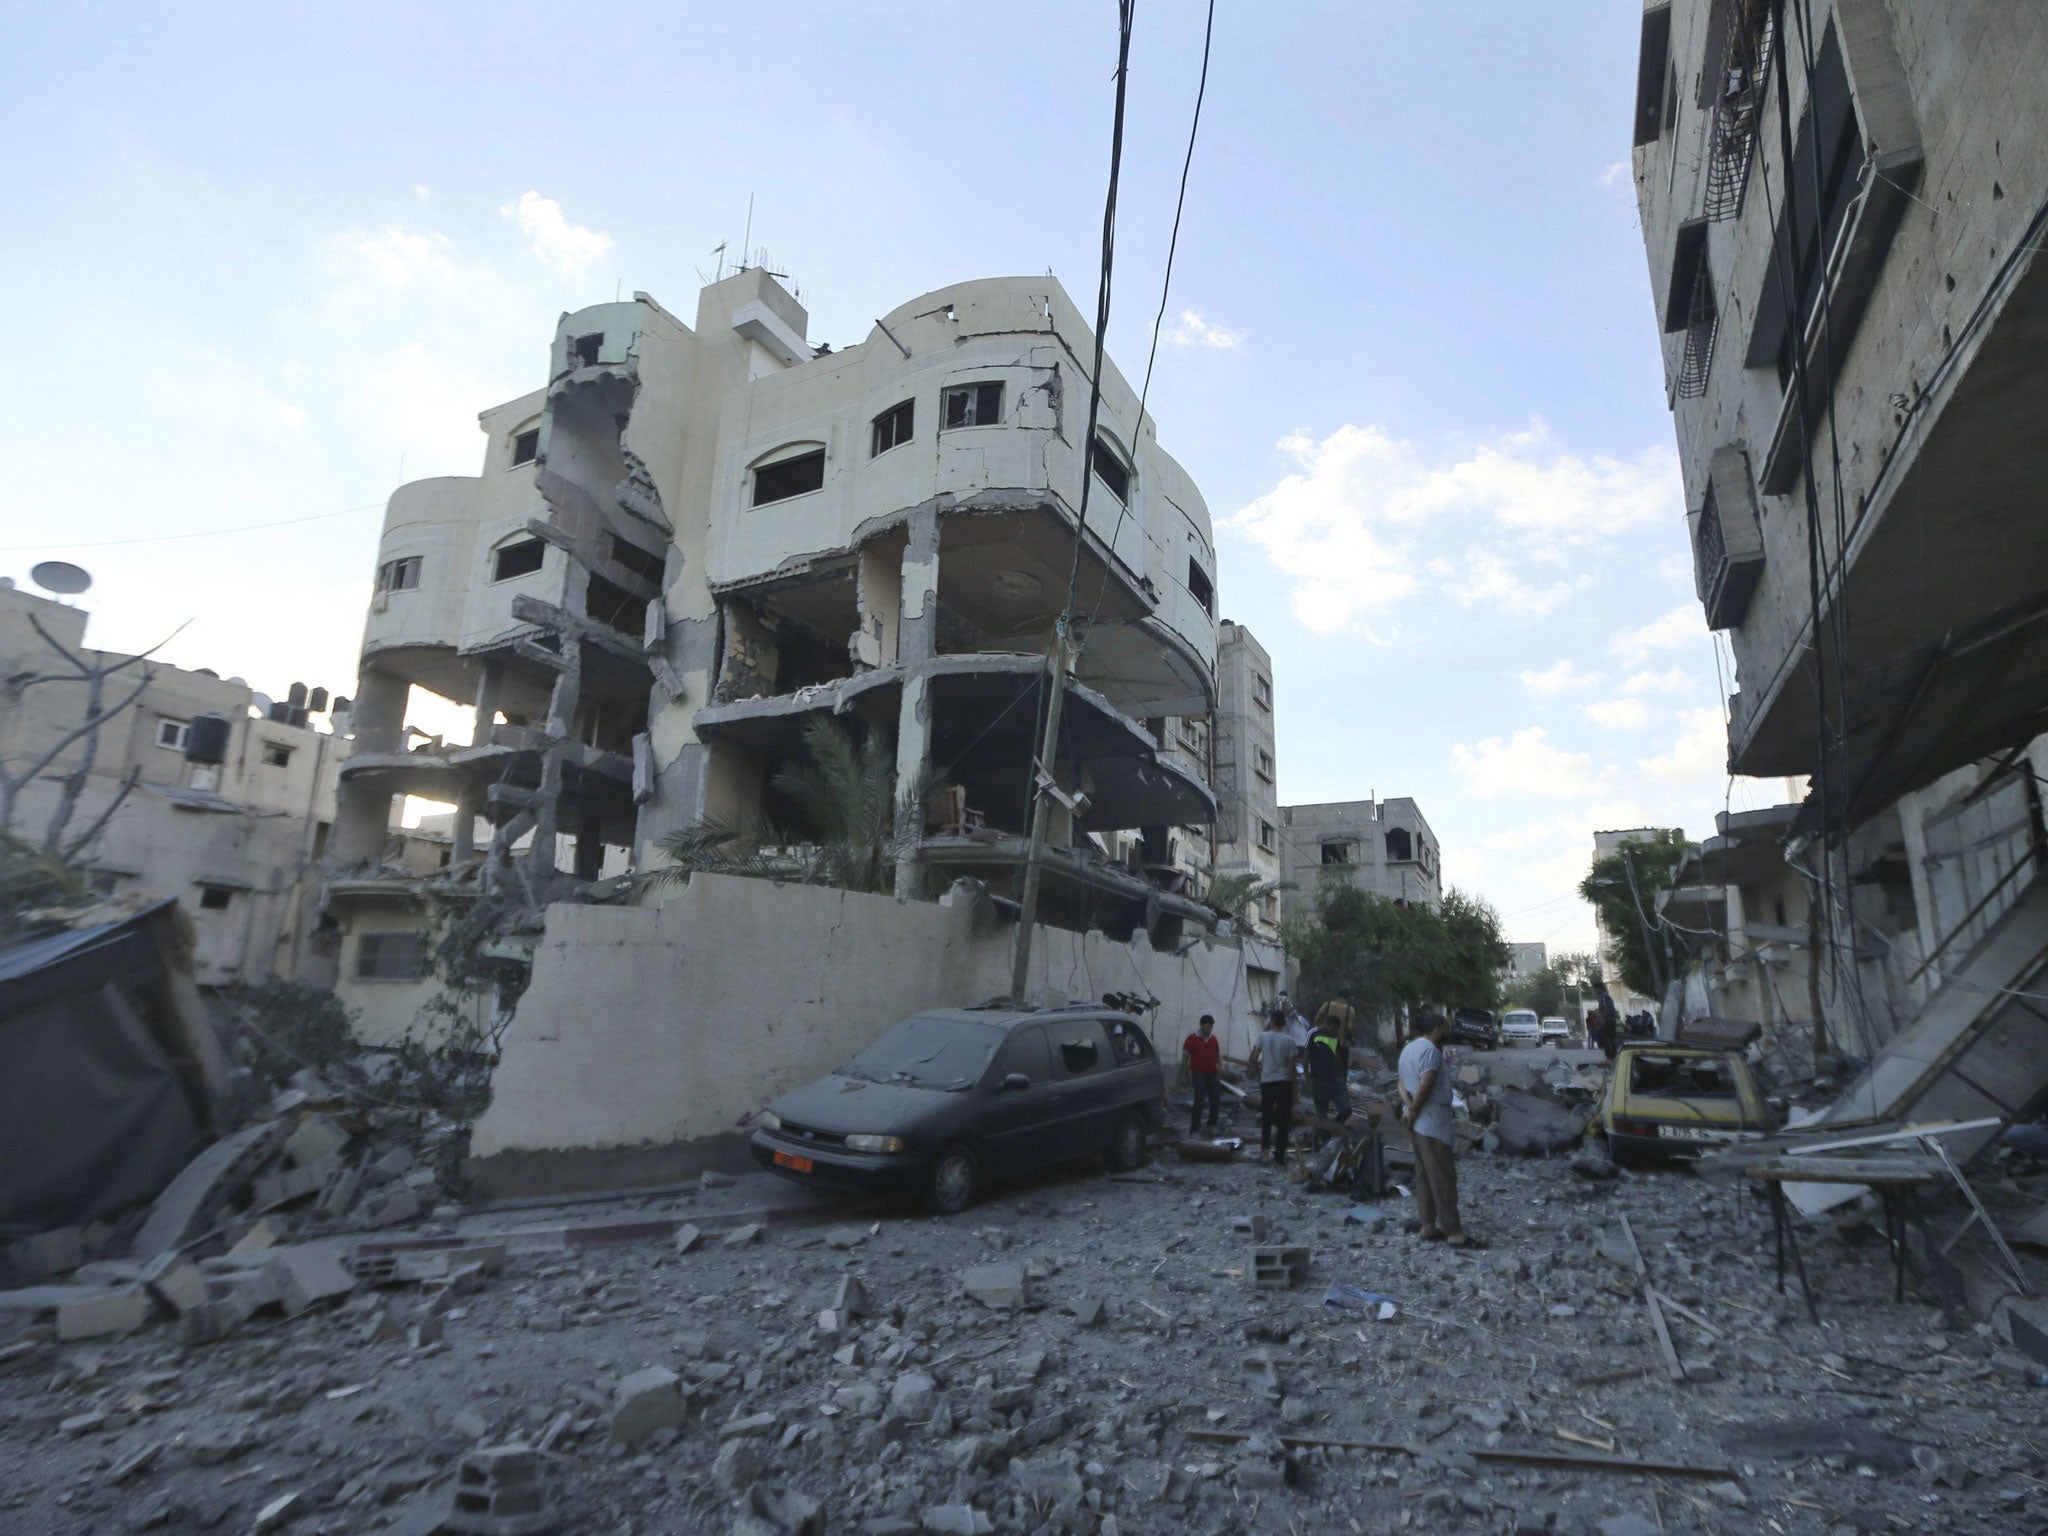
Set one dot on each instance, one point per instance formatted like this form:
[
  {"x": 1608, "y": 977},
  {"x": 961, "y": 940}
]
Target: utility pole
[
  {"x": 1649, "y": 950},
  {"x": 1041, "y": 806}
]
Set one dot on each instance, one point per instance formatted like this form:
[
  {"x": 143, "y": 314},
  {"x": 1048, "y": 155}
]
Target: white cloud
[
  {"x": 1523, "y": 764},
  {"x": 1194, "y": 331},
  {"x": 1681, "y": 626},
  {"x": 291, "y": 416},
  {"x": 1618, "y": 714},
  {"x": 1339, "y": 524},
  {"x": 424, "y": 194},
  {"x": 566, "y": 247},
  {"x": 1559, "y": 677},
  {"x": 1700, "y": 754},
  {"x": 1674, "y": 680},
  {"x": 1615, "y": 172},
  {"x": 397, "y": 257}
]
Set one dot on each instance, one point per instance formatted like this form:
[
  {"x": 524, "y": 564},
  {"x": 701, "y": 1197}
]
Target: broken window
[
  {"x": 586, "y": 348},
  {"x": 399, "y": 575},
  {"x": 892, "y": 428},
  {"x": 1081, "y": 1048},
  {"x": 612, "y": 605},
  {"x": 789, "y": 477},
  {"x": 1200, "y": 588},
  {"x": 1679, "y": 1077},
  {"x": 1400, "y": 849},
  {"x": 526, "y": 447},
  {"x": 972, "y": 405},
  {"x": 1336, "y": 853},
  {"x": 1268, "y": 838},
  {"x": 1262, "y": 763},
  {"x": 276, "y": 755},
  {"x": 215, "y": 898},
  {"x": 1262, "y": 691},
  {"x": 1111, "y": 471},
  {"x": 172, "y": 733},
  {"x": 641, "y": 562},
  {"x": 391, "y": 956},
  {"x": 522, "y": 557}
]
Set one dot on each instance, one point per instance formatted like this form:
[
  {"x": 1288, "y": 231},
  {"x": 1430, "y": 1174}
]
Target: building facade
[
  {"x": 1381, "y": 847},
  {"x": 1524, "y": 960},
  {"x": 696, "y": 541},
  {"x": 194, "y": 788},
  {"x": 1245, "y": 775},
  {"x": 1626, "y": 998}
]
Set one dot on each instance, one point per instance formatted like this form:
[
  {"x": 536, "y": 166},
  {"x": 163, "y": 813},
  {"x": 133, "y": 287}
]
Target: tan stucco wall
[{"x": 652, "y": 1025}]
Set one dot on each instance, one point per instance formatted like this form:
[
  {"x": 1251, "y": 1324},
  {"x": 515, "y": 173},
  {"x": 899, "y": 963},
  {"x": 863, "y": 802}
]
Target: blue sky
[{"x": 267, "y": 260}]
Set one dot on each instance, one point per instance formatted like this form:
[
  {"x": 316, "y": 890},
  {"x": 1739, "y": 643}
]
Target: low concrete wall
[{"x": 655, "y": 1033}]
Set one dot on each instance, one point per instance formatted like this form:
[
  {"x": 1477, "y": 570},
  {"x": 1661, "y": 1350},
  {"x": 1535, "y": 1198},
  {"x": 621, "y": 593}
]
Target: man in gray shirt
[
  {"x": 1426, "y": 1111},
  {"x": 1276, "y": 1088}
]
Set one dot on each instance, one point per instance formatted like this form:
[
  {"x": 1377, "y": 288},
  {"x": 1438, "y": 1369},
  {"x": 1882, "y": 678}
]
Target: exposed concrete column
[
  {"x": 362, "y": 815},
  {"x": 916, "y": 643},
  {"x": 589, "y": 862}
]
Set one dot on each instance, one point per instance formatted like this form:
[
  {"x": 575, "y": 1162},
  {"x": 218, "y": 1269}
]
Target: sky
[{"x": 271, "y": 261}]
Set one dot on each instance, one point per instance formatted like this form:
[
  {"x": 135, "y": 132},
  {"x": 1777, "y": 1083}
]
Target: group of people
[
  {"x": 1607, "y": 1026},
  {"x": 1290, "y": 1044}
]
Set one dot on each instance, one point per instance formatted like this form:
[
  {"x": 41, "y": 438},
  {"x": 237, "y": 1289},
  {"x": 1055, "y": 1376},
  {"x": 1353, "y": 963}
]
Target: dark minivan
[{"x": 948, "y": 1101}]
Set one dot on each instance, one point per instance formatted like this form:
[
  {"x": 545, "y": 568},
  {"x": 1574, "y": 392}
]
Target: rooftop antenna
[
  {"x": 747, "y": 239},
  {"x": 718, "y": 250},
  {"x": 60, "y": 578}
]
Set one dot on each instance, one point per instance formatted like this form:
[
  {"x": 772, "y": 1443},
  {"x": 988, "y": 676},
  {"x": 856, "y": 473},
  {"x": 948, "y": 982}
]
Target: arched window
[
  {"x": 520, "y": 556},
  {"x": 794, "y": 470},
  {"x": 1400, "y": 850}
]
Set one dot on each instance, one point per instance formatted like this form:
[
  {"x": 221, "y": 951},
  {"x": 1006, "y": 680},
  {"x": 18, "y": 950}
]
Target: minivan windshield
[{"x": 928, "y": 1052}]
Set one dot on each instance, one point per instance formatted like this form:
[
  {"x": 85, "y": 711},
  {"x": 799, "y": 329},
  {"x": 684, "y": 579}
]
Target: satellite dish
[{"x": 60, "y": 577}]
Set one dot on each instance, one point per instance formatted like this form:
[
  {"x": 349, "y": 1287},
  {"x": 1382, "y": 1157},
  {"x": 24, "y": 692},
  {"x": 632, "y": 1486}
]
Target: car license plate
[
  {"x": 791, "y": 1160},
  {"x": 1694, "y": 1133}
]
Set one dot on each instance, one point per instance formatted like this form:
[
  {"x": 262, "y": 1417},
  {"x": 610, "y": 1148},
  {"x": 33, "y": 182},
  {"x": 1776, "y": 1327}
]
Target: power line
[{"x": 204, "y": 533}]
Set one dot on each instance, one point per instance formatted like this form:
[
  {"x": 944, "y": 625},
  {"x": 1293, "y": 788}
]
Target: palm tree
[
  {"x": 1234, "y": 893},
  {"x": 846, "y": 798}
]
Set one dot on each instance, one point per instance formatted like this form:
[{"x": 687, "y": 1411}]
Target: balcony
[{"x": 1728, "y": 542}]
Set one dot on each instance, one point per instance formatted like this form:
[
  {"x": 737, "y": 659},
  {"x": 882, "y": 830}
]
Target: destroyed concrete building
[
  {"x": 1381, "y": 847},
  {"x": 201, "y": 790},
  {"x": 697, "y": 541},
  {"x": 1843, "y": 212},
  {"x": 1244, "y": 774}
]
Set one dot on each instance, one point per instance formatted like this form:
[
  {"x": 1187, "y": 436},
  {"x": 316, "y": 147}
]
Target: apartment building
[
  {"x": 696, "y": 540},
  {"x": 1844, "y": 207},
  {"x": 1381, "y": 847},
  {"x": 1244, "y": 775},
  {"x": 195, "y": 788}
]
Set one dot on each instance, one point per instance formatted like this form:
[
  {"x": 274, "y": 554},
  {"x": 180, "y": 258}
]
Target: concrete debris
[
  {"x": 688, "y": 1239},
  {"x": 305, "y": 1276},
  {"x": 500, "y": 1491},
  {"x": 97, "y": 1314},
  {"x": 1279, "y": 1266},
  {"x": 647, "y": 1401},
  {"x": 994, "y": 1285},
  {"x": 955, "y": 1520},
  {"x": 744, "y": 1234}
]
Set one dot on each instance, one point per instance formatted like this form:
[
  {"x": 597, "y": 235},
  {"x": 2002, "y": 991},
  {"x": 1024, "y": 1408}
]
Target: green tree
[
  {"x": 846, "y": 806},
  {"x": 1390, "y": 955},
  {"x": 1549, "y": 991},
  {"x": 1472, "y": 953},
  {"x": 1234, "y": 893},
  {"x": 1622, "y": 888}
]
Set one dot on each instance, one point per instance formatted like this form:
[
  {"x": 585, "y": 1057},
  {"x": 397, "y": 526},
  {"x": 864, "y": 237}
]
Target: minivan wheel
[
  {"x": 1127, "y": 1151},
  {"x": 953, "y": 1180}
]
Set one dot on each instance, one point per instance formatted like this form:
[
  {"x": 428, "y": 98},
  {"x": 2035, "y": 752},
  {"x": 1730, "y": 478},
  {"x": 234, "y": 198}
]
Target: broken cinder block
[
  {"x": 646, "y": 1401},
  {"x": 1280, "y": 1266},
  {"x": 308, "y": 1275},
  {"x": 95, "y": 1315},
  {"x": 176, "y": 1282},
  {"x": 994, "y": 1285},
  {"x": 499, "y": 1491},
  {"x": 316, "y": 1140}
]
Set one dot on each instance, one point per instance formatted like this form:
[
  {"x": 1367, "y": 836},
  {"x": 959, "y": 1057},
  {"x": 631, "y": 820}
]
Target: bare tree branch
[{"x": 90, "y": 835}]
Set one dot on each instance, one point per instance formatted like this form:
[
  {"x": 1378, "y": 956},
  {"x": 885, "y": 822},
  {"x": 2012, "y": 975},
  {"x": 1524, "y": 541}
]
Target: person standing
[
  {"x": 1338, "y": 1018},
  {"x": 1204, "y": 1055},
  {"x": 1326, "y": 1076},
  {"x": 1426, "y": 1111},
  {"x": 1276, "y": 1088}
]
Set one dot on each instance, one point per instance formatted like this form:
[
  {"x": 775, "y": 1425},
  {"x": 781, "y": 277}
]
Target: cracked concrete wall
[{"x": 647, "y": 1026}]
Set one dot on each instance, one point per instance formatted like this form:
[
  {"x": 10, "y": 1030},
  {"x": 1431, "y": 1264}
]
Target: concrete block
[
  {"x": 342, "y": 1187},
  {"x": 688, "y": 1238},
  {"x": 851, "y": 1297},
  {"x": 914, "y": 1396},
  {"x": 388, "y": 1210},
  {"x": 176, "y": 1282},
  {"x": 1280, "y": 1266},
  {"x": 316, "y": 1140},
  {"x": 281, "y": 1188},
  {"x": 954, "y": 1520},
  {"x": 646, "y": 1401},
  {"x": 265, "y": 1234},
  {"x": 744, "y": 1234},
  {"x": 209, "y": 1321},
  {"x": 500, "y": 1491},
  {"x": 307, "y": 1275},
  {"x": 994, "y": 1285},
  {"x": 55, "y": 1252},
  {"x": 737, "y": 1466},
  {"x": 1253, "y": 1227},
  {"x": 92, "y": 1317}
]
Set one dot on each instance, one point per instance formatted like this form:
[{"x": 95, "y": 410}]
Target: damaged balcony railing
[
  {"x": 1746, "y": 55},
  {"x": 1702, "y": 323}
]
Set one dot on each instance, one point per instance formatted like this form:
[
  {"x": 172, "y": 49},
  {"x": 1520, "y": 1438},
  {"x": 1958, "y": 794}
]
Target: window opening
[
  {"x": 1200, "y": 588},
  {"x": 526, "y": 447},
  {"x": 173, "y": 733},
  {"x": 215, "y": 898},
  {"x": 789, "y": 477},
  {"x": 1336, "y": 853},
  {"x": 1262, "y": 690},
  {"x": 1080, "y": 1049},
  {"x": 586, "y": 349},
  {"x": 1679, "y": 1077},
  {"x": 1267, "y": 837},
  {"x": 1263, "y": 763},
  {"x": 1399, "y": 848},
  {"x": 276, "y": 755},
  {"x": 1702, "y": 322},
  {"x": 391, "y": 956},
  {"x": 973, "y": 405},
  {"x": 641, "y": 562},
  {"x": 399, "y": 575},
  {"x": 892, "y": 428},
  {"x": 1110, "y": 470},
  {"x": 521, "y": 558}
]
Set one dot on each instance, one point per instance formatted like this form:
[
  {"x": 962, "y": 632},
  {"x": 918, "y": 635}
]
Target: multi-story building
[
  {"x": 1844, "y": 206},
  {"x": 195, "y": 788},
  {"x": 1381, "y": 847},
  {"x": 1524, "y": 960},
  {"x": 1244, "y": 776},
  {"x": 1626, "y": 998},
  {"x": 697, "y": 541}
]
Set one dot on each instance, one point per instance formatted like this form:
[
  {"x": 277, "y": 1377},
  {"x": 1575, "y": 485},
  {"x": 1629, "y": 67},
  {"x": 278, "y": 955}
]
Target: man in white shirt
[
  {"x": 1276, "y": 1088},
  {"x": 1426, "y": 1111}
]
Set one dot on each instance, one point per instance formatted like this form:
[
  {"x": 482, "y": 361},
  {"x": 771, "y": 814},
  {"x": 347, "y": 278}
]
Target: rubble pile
[{"x": 1194, "y": 1348}]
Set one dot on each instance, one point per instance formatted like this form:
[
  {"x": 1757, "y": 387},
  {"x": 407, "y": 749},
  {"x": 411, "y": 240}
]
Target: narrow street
[{"x": 1083, "y": 1411}]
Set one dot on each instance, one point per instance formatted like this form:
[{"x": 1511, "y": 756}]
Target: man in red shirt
[{"x": 1204, "y": 1055}]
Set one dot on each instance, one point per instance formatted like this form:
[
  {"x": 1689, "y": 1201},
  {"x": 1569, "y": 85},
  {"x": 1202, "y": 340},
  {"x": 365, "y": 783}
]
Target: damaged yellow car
[{"x": 1669, "y": 1100}]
